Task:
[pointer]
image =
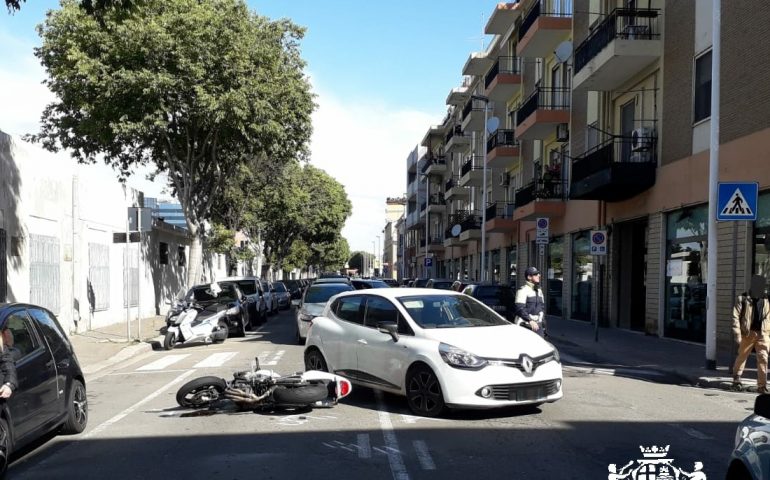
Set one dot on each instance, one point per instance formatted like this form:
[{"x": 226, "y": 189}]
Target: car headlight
[
  {"x": 740, "y": 434},
  {"x": 306, "y": 317},
  {"x": 459, "y": 358}
]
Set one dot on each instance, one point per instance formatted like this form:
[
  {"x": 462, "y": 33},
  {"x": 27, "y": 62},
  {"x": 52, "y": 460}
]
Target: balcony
[
  {"x": 616, "y": 170},
  {"x": 621, "y": 46},
  {"x": 502, "y": 19},
  {"x": 470, "y": 227},
  {"x": 544, "y": 27},
  {"x": 435, "y": 204},
  {"x": 472, "y": 172},
  {"x": 434, "y": 165},
  {"x": 454, "y": 191},
  {"x": 434, "y": 136},
  {"x": 456, "y": 141},
  {"x": 449, "y": 239},
  {"x": 504, "y": 79},
  {"x": 502, "y": 149},
  {"x": 500, "y": 217},
  {"x": 435, "y": 244},
  {"x": 477, "y": 64},
  {"x": 541, "y": 198},
  {"x": 539, "y": 115},
  {"x": 473, "y": 115},
  {"x": 458, "y": 96}
]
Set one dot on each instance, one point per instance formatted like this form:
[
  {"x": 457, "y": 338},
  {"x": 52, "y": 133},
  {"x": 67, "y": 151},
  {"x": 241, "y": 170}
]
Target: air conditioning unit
[
  {"x": 562, "y": 132},
  {"x": 634, "y": 32},
  {"x": 504, "y": 180},
  {"x": 642, "y": 139}
]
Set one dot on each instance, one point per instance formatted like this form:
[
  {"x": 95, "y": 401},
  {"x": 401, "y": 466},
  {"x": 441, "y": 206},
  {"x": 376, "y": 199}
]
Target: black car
[
  {"x": 499, "y": 298},
  {"x": 366, "y": 284},
  {"x": 256, "y": 305},
  {"x": 229, "y": 296},
  {"x": 52, "y": 392}
]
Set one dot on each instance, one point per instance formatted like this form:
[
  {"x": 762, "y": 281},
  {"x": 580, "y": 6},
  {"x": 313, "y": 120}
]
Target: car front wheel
[
  {"x": 77, "y": 409},
  {"x": 423, "y": 392},
  {"x": 314, "y": 360}
]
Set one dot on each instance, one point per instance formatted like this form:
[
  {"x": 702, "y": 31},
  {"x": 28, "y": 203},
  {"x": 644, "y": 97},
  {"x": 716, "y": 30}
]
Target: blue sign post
[{"x": 737, "y": 201}]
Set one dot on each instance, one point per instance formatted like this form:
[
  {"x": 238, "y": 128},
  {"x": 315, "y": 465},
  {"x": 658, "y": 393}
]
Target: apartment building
[
  {"x": 394, "y": 211},
  {"x": 603, "y": 118}
]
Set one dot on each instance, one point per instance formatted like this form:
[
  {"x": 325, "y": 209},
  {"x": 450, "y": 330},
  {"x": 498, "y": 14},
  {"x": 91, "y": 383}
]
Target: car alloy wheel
[
  {"x": 5, "y": 446},
  {"x": 315, "y": 361},
  {"x": 423, "y": 392}
]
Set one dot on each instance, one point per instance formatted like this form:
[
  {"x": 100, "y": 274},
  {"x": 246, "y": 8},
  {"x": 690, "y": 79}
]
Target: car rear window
[
  {"x": 279, "y": 287},
  {"x": 494, "y": 292},
  {"x": 322, "y": 293}
]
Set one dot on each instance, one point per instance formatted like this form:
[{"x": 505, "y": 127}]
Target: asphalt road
[{"x": 136, "y": 431}]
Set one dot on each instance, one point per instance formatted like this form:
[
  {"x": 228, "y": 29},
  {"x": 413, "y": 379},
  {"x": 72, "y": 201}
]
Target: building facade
[
  {"x": 602, "y": 114},
  {"x": 394, "y": 211}
]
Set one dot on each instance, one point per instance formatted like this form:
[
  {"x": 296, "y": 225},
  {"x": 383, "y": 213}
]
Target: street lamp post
[
  {"x": 378, "y": 257},
  {"x": 483, "y": 266},
  {"x": 374, "y": 259}
]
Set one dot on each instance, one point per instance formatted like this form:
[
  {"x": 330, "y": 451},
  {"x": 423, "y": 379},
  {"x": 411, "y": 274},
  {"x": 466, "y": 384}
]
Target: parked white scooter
[{"x": 196, "y": 323}]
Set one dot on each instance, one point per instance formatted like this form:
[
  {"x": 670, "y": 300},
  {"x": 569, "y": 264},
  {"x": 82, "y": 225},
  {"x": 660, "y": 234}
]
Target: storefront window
[
  {"x": 762, "y": 238},
  {"x": 582, "y": 276},
  {"x": 512, "y": 265},
  {"x": 555, "y": 276},
  {"x": 686, "y": 274},
  {"x": 494, "y": 269}
]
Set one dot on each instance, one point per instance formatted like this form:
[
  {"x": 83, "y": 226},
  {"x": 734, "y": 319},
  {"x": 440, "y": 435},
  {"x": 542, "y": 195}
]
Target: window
[
  {"x": 702, "y": 100},
  {"x": 582, "y": 276},
  {"x": 98, "y": 276},
  {"x": 52, "y": 331},
  {"x": 19, "y": 336},
  {"x": 44, "y": 271},
  {"x": 349, "y": 309},
  {"x": 163, "y": 253},
  {"x": 181, "y": 256},
  {"x": 380, "y": 310}
]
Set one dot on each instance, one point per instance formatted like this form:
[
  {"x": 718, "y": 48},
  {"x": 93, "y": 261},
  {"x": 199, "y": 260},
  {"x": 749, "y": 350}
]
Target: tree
[
  {"x": 199, "y": 88},
  {"x": 330, "y": 255},
  {"x": 89, "y": 6},
  {"x": 359, "y": 260}
]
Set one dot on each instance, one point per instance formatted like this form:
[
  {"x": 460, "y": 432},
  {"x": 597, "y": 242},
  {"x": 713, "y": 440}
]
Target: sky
[{"x": 381, "y": 74}]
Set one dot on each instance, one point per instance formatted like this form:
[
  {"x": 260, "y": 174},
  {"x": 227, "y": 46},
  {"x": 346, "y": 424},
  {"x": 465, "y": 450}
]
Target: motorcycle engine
[{"x": 251, "y": 382}]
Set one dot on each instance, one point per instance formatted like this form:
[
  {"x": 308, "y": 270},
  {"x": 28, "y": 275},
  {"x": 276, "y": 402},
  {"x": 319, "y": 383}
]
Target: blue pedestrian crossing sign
[{"x": 737, "y": 201}]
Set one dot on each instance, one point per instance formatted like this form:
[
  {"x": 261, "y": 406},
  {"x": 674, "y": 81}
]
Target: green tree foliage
[
  {"x": 199, "y": 88},
  {"x": 359, "y": 260},
  {"x": 331, "y": 255},
  {"x": 89, "y": 6},
  {"x": 222, "y": 240}
]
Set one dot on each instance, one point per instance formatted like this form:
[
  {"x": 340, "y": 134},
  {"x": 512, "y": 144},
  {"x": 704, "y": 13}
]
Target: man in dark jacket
[{"x": 530, "y": 303}]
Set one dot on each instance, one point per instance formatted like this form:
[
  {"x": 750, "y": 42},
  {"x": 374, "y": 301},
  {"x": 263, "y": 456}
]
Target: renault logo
[{"x": 526, "y": 363}]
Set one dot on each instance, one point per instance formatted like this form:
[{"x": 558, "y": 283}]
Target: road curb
[{"x": 122, "y": 355}]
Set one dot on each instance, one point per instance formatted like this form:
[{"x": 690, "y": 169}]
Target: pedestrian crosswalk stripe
[
  {"x": 215, "y": 360},
  {"x": 164, "y": 362}
]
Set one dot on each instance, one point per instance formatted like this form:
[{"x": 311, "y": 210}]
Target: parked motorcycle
[
  {"x": 191, "y": 322},
  {"x": 265, "y": 390}
]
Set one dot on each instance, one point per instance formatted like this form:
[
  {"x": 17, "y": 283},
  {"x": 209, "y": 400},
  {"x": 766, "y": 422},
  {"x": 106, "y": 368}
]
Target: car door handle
[{"x": 362, "y": 341}]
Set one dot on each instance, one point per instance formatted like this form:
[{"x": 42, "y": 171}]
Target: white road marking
[
  {"x": 276, "y": 357},
  {"x": 693, "y": 432},
  {"x": 215, "y": 360},
  {"x": 144, "y": 372},
  {"x": 423, "y": 455},
  {"x": 163, "y": 362},
  {"x": 412, "y": 419},
  {"x": 343, "y": 446},
  {"x": 364, "y": 448},
  {"x": 100, "y": 428},
  {"x": 397, "y": 466}
]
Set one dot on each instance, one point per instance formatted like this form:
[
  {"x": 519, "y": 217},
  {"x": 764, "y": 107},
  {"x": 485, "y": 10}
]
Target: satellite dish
[
  {"x": 492, "y": 124},
  {"x": 563, "y": 51},
  {"x": 456, "y": 230}
]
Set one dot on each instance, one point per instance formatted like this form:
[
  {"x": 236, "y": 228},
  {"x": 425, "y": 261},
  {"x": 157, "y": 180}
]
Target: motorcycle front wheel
[
  {"x": 169, "y": 341},
  {"x": 300, "y": 396},
  {"x": 200, "y": 392}
]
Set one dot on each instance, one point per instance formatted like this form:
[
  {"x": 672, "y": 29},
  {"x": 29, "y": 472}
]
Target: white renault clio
[{"x": 438, "y": 348}]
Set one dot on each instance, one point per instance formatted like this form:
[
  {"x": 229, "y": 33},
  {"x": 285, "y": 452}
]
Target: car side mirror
[
  {"x": 762, "y": 405},
  {"x": 390, "y": 328}
]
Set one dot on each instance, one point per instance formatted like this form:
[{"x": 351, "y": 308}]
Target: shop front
[
  {"x": 555, "y": 277},
  {"x": 582, "y": 276}
]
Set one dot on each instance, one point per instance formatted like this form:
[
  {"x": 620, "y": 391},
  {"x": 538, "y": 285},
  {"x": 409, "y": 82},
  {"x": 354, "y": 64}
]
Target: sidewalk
[
  {"x": 626, "y": 349},
  {"x": 106, "y": 346}
]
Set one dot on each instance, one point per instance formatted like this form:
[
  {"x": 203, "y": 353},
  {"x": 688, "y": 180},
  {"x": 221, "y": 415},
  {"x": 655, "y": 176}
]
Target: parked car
[
  {"x": 295, "y": 288},
  {"x": 255, "y": 303},
  {"x": 750, "y": 459},
  {"x": 320, "y": 281},
  {"x": 438, "y": 348},
  {"x": 359, "y": 284},
  {"x": 313, "y": 303},
  {"x": 439, "y": 283},
  {"x": 230, "y": 296},
  {"x": 392, "y": 282},
  {"x": 420, "y": 282},
  {"x": 282, "y": 295},
  {"x": 499, "y": 298},
  {"x": 459, "y": 285},
  {"x": 270, "y": 300},
  {"x": 51, "y": 395}
]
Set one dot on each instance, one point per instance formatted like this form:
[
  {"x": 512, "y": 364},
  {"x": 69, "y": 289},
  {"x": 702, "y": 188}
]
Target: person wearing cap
[{"x": 530, "y": 303}]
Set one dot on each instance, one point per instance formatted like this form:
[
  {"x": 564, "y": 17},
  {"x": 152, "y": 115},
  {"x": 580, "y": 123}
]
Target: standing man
[
  {"x": 530, "y": 303},
  {"x": 751, "y": 327}
]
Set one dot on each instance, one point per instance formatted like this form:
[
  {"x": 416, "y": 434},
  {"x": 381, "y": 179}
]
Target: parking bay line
[
  {"x": 397, "y": 466},
  {"x": 163, "y": 362},
  {"x": 215, "y": 360},
  {"x": 423, "y": 455}
]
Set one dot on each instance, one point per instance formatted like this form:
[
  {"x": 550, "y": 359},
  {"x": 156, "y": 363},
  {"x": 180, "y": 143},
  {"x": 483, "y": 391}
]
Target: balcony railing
[
  {"x": 472, "y": 163},
  {"x": 433, "y": 160},
  {"x": 499, "y": 210},
  {"x": 503, "y": 65},
  {"x": 474, "y": 104},
  {"x": 501, "y": 138},
  {"x": 621, "y": 23},
  {"x": 456, "y": 130},
  {"x": 546, "y": 8},
  {"x": 546, "y": 99},
  {"x": 618, "y": 149},
  {"x": 540, "y": 190},
  {"x": 451, "y": 183},
  {"x": 433, "y": 240},
  {"x": 437, "y": 199}
]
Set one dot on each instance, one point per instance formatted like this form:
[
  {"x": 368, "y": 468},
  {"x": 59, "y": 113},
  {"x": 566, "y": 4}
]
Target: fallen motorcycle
[{"x": 265, "y": 390}]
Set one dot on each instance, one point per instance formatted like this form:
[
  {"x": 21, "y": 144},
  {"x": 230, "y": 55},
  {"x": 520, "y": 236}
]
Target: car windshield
[
  {"x": 279, "y": 287},
  {"x": 205, "y": 294},
  {"x": 449, "y": 311},
  {"x": 248, "y": 287},
  {"x": 322, "y": 293}
]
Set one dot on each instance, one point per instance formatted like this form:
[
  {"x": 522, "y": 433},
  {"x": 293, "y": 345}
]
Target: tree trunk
[{"x": 195, "y": 262}]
